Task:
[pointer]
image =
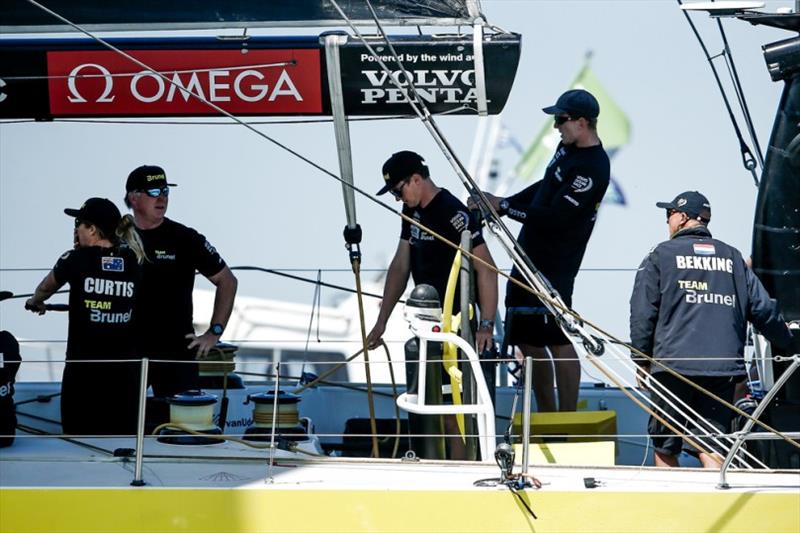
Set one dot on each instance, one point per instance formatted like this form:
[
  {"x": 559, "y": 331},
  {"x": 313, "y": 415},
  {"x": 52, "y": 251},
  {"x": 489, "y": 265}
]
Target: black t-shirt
[
  {"x": 164, "y": 303},
  {"x": 103, "y": 284},
  {"x": 9, "y": 365},
  {"x": 558, "y": 213},
  {"x": 432, "y": 259}
]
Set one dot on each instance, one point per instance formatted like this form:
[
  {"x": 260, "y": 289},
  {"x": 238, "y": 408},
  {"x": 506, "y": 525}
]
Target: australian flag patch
[{"x": 113, "y": 264}]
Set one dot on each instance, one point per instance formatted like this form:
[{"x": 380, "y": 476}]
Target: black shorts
[
  {"x": 533, "y": 326},
  {"x": 664, "y": 440},
  {"x": 527, "y": 319}
]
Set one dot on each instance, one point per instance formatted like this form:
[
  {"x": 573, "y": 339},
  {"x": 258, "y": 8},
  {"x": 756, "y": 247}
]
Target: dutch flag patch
[{"x": 704, "y": 249}]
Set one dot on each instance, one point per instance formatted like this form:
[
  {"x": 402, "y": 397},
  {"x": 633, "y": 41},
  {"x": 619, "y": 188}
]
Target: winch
[
  {"x": 287, "y": 422},
  {"x": 190, "y": 410}
]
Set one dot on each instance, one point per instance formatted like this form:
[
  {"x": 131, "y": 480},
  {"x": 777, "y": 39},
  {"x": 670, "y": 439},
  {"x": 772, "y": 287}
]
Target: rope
[
  {"x": 355, "y": 262},
  {"x": 292, "y": 447}
]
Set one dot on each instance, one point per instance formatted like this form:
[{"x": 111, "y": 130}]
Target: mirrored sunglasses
[{"x": 155, "y": 193}]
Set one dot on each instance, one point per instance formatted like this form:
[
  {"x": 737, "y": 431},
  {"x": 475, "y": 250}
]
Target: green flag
[{"x": 613, "y": 128}]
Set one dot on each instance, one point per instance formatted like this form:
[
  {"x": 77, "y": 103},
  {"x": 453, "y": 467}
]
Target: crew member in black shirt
[
  {"x": 426, "y": 258},
  {"x": 9, "y": 365},
  {"x": 164, "y": 304},
  {"x": 103, "y": 271},
  {"x": 557, "y": 214}
]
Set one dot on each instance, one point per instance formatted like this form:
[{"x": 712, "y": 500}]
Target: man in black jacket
[{"x": 691, "y": 302}]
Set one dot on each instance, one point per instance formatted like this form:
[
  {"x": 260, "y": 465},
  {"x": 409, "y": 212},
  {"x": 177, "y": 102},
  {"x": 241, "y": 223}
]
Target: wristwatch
[
  {"x": 486, "y": 324},
  {"x": 216, "y": 329}
]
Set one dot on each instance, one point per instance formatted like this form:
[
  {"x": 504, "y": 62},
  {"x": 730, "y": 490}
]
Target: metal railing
[{"x": 745, "y": 434}]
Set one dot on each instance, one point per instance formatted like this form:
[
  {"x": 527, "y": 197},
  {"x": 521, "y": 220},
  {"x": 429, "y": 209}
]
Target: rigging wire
[
  {"x": 747, "y": 156},
  {"x": 737, "y": 84},
  {"x": 187, "y": 122},
  {"x": 132, "y": 74}
]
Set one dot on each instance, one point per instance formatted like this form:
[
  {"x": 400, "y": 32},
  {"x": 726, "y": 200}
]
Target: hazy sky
[{"x": 260, "y": 206}]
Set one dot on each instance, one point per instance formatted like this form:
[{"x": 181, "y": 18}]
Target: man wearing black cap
[
  {"x": 691, "y": 302},
  {"x": 103, "y": 275},
  {"x": 557, "y": 215},
  {"x": 427, "y": 259},
  {"x": 164, "y": 305}
]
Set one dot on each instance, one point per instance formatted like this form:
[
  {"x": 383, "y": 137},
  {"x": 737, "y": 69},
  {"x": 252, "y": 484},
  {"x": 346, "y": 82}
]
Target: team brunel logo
[{"x": 163, "y": 255}]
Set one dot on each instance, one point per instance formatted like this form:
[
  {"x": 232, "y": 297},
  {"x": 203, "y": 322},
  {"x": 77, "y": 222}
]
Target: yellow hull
[{"x": 241, "y": 510}]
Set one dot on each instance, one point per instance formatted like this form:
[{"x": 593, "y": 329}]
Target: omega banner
[{"x": 262, "y": 76}]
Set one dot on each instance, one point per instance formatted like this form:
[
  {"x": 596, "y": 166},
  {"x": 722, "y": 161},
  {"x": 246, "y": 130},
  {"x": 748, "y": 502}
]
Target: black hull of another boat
[{"x": 776, "y": 255}]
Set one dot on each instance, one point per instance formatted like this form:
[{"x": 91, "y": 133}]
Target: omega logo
[
  {"x": 76, "y": 97},
  {"x": 215, "y": 85}
]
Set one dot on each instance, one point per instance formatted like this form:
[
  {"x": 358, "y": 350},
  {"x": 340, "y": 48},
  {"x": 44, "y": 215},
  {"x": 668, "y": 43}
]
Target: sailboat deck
[{"x": 54, "y": 463}]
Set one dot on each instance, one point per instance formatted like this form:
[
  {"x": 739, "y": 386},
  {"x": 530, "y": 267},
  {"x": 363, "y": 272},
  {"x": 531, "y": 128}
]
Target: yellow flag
[{"x": 613, "y": 128}]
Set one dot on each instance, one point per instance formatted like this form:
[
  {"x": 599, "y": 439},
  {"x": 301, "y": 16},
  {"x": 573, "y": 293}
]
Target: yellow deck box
[{"x": 578, "y": 426}]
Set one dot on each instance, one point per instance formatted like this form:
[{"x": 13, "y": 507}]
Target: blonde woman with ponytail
[
  {"x": 99, "y": 395},
  {"x": 126, "y": 233}
]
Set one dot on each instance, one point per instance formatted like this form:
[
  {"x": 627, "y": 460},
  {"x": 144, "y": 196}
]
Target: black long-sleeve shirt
[{"x": 558, "y": 213}]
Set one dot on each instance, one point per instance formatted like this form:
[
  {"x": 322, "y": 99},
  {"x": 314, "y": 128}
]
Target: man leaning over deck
[
  {"x": 430, "y": 260},
  {"x": 164, "y": 305},
  {"x": 426, "y": 258},
  {"x": 692, "y": 299}
]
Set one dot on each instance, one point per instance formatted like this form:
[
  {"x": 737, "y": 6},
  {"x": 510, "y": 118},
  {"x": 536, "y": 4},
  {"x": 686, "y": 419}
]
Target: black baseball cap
[
  {"x": 692, "y": 203},
  {"x": 576, "y": 103},
  {"x": 400, "y": 166},
  {"x": 147, "y": 177},
  {"x": 100, "y": 212}
]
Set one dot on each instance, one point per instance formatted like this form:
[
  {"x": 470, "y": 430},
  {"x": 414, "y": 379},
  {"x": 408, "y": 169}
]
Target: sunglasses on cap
[
  {"x": 155, "y": 193},
  {"x": 562, "y": 119}
]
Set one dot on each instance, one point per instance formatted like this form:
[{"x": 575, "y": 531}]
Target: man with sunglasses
[
  {"x": 426, "y": 258},
  {"x": 164, "y": 304},
  {"x": 429, "y": 260},
  {"x": 557, "y": 215},
  {"x": 692, "y": 299}
]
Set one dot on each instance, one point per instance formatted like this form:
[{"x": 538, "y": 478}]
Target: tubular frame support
[
  {"x": 480, "y": 73},
  {"x": 745, "y": 432},
  {"x": 332, "y": 42},
  {"x": 526, "y": 414},
  {"x": 137, "y": 476},
  {"x": 484, "y": 408}
]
